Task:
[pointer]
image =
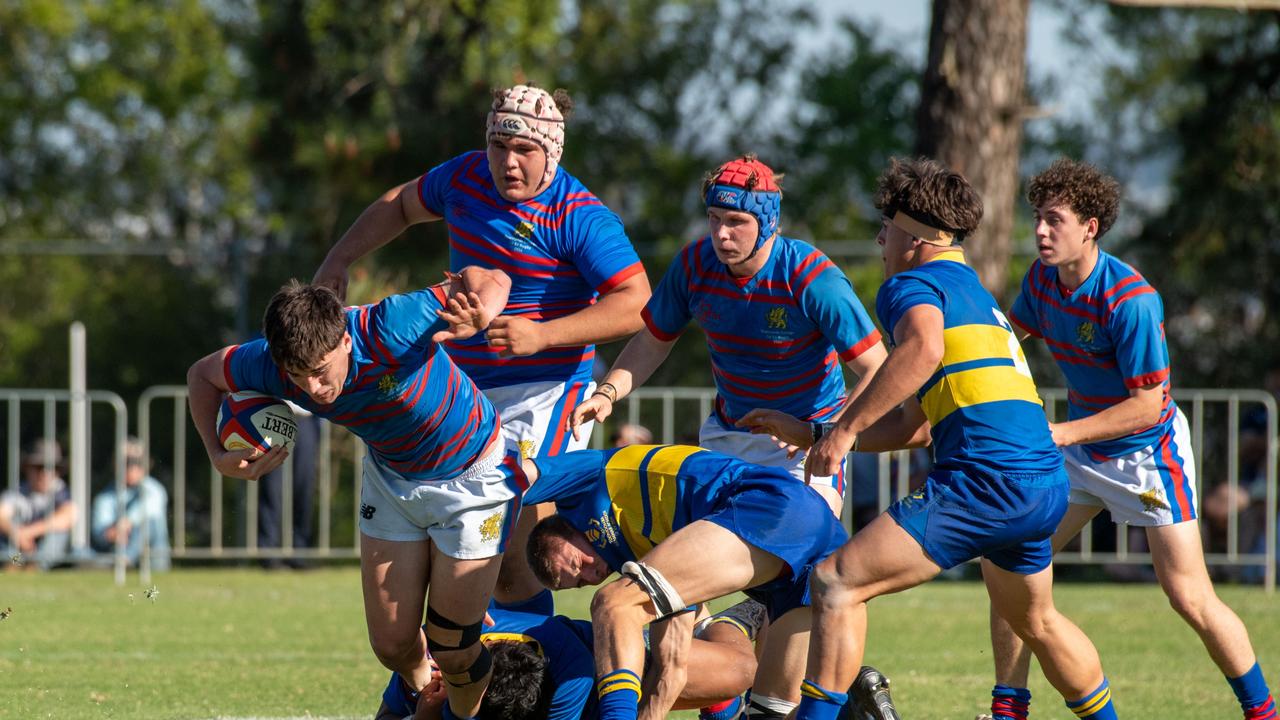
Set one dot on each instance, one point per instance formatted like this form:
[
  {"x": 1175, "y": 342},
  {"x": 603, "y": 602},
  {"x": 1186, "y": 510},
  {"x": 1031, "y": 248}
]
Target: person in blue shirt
[
  {"x": 543, "y": 667},
  {"x": 137, "y": 519},
  {"x": 957, "y": 377},
  {"x": 683, "y": 525},
  {"x": 1126, "y": 444},
  {"x": 778, "y": 316},
  {"x": 439, "y": 492}
]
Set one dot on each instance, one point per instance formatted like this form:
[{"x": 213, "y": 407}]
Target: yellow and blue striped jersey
[
  {"x": 627, "y": 500},
  {"x": 981, "y": 401}
]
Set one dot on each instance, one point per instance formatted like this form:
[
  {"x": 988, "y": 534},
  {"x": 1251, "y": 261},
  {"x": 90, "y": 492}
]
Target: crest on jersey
[
  {"x": 491, "y": 528},
  {"x": 387, "y": 385},
  {"x": 1086, "y": 332},
  {"x": 777, "y": 318},
  {"x": 524, "y": 229},
  {"x": 706, "y": 313},
  {"x": 526, "y": 449},
  {"x": 601, "y": 531},
  {"x": 1153, "y": 499}
]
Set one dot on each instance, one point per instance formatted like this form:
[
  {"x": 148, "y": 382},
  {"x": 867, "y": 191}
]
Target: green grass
[{"x": 244, "y": 643}]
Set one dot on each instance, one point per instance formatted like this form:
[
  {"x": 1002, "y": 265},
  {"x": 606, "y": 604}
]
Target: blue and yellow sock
[
  {"x": 1096, "y": 705},
  {"x": 1010, "y": 703},
  {"x": 1254, "y": 695},
  {"x": 619, "y": 695},
  {"x": 817, "y": 703}
]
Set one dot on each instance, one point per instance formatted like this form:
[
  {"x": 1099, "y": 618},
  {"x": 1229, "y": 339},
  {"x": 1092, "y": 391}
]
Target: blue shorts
[
  {"x": 1007, "y": 518},
  {"x": 782, "y": 516}
]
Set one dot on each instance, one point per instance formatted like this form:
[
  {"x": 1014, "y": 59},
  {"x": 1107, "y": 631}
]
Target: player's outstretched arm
[
  {"x": 384, "y": 220},
  {"x": 637, "y": 361},
  {"x": 615, "y": 315},
  {"x": 916, "y": 355},
  {"x": 205, "y": 388},
  {"x": 666, "y": 677},
  {"x": 1137, "y": 412}
]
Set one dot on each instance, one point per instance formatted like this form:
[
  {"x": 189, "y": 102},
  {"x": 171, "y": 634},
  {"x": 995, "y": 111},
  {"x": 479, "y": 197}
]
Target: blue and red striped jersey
[
  {"x": 417, "y": 412},
  {"x": 1107, "y": 336},
  {"x": 776, "y": 339},
  {"x": 562, "y": 250}
]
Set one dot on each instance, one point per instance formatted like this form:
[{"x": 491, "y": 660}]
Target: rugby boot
[{"x": 869, "y": 697}]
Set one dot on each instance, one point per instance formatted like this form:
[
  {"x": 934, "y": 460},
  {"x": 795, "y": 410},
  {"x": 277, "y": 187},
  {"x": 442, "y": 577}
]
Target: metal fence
[{"x": 215, "y": 520}]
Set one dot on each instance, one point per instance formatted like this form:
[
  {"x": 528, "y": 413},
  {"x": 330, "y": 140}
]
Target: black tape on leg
[
  {"x": 478, "y": 670},
  {"x": 444, "y": 634}
]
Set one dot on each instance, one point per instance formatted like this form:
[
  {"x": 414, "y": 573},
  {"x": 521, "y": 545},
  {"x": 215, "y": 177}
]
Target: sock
[
  {"x": 1254, "y": 696},
  {"x": 1096, "y": 705},
  {"x": 619, "y": 695},
  {"x": 727, "y": 710},
  {"x": 763, "y": 707},
  {"x": 1010, "y": 703},
  {"x": 817, "y": 703}
]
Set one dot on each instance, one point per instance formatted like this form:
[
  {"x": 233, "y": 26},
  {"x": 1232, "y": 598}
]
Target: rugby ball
[{"x": 253, "y": 420}]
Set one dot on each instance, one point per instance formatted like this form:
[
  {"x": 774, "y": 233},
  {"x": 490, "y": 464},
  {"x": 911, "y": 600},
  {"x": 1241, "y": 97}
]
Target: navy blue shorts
[
  {"x": 788, "y": 519},
  {"x": 1007, "y": 518}
]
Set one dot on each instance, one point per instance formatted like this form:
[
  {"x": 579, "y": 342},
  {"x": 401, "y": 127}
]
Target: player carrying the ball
[{"x": 439, "y": 494}]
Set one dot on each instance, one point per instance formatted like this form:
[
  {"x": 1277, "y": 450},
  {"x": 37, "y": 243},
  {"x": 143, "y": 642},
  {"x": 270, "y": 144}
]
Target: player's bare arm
[
  {"x": 379, "y": 224},
  {"x": 205, "y": 388},
  {"x": 1140, "y": 411},
  {"x": 614, "y": 315},
  {"x": 915, "y": 358},
  {"x": 666, "y": 678},
  {"x": 475, "y": 296},
  {"x": 635, "y": 364},
  {"x": 864, "y": 367}
]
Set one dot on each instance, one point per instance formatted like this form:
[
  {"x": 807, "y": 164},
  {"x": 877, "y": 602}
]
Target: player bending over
[{"x": 437, "y": 499}]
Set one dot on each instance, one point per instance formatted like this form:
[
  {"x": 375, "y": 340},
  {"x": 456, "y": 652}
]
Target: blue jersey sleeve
[
  {"x": 830, "y": 302},
  {"x": 434, "y": 186},
  {"x": 667, "y": 312},
  {"x": 599, "y": 247},
  {"x": 250, "y": 367},
  {"x": 402, "y": 325},
  {"x": 573, "y": 674},
  {"x": 1137, "y": 330},
  {"x": 1023, "y": 312},
  {"x": 902, "y": 292},
  {"x": 562, "y": 477}
]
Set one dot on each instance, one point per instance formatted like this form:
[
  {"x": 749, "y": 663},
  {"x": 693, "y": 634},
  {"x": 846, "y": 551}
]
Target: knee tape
[
  {"x": 444, "y": 634},
  {"x": 666, "y": 601},
  {"x": 475, "y": 673}
]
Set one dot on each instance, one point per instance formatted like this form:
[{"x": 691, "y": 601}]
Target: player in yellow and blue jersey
[
  {"x": 683, "y": 525},
  {"x": 997, "y": 490},
  {"x": 1127, "y": 445}
]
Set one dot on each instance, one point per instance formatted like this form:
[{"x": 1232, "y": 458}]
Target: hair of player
[
  {"x": 520, "y": 687},
  {"x": 302, "y": 324},
  {"x": 711, "y": 177},
  {"x": 1089, "y": 192},
  {"x": 538, "y": 549},
  {"x": 930, "y": 192},
  {"x": 561, "y": 97}
]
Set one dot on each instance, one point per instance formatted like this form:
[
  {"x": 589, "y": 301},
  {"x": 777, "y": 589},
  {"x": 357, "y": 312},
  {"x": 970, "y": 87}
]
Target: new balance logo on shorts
[{"x": 367, "y": 511}]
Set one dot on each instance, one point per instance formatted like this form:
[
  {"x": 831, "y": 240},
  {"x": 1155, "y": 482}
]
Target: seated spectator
[
  {"x": 36, "y": 519},
  {"x": 631, "y": 434},
  {"x": 145, "y": 515}
]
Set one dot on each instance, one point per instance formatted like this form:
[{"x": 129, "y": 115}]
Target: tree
[{"x": 971, "y": 114}]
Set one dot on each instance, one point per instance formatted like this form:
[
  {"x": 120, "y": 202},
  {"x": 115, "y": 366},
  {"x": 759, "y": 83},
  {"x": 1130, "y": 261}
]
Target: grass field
[{"x": 251, "y": 644}]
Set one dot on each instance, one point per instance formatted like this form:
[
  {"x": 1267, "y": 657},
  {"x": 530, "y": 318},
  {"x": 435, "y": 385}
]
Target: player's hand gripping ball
[{"x": 253, "y": 420}]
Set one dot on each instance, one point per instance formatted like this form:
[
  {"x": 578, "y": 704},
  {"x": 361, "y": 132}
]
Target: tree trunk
[{"x": 970, "y": 115}]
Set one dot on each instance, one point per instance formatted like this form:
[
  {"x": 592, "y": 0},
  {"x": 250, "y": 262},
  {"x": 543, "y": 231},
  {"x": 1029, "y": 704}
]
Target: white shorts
[
  {"x": 467, "y": 517},
  {"x": 762, "y": 450},
  {"x": 1153, "y": 486},
  {"x": 534, "y": 415}
]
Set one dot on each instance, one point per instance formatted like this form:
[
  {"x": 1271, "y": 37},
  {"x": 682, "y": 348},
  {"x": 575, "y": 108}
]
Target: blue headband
[{"x": 764, "y": 206}]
